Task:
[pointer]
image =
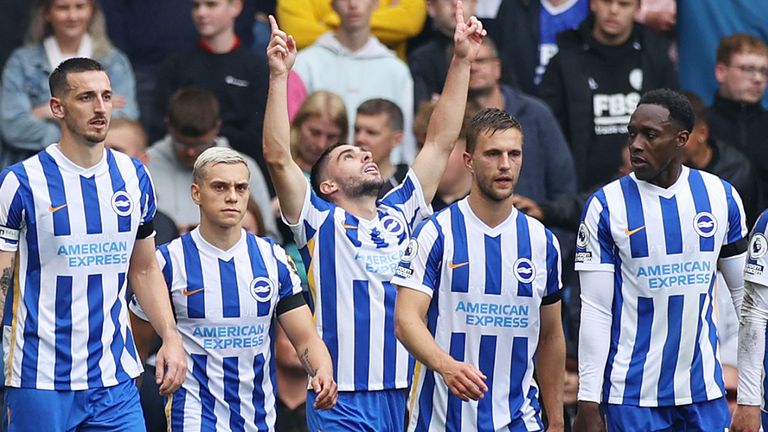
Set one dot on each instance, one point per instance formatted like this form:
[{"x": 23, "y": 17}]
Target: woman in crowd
[
  {"x": 320, "y": 122},
  {"x": 59, "y": 29}
]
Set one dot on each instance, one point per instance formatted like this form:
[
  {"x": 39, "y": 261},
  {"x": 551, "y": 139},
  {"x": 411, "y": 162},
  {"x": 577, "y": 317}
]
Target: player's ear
[
  {"x": 195, "y": 192},
  {"x": 468, "y": 162},
  {"x": 328, "y": 187},
  {"x": 682, "y": 138},
  {"x": 56, "y": 107}
]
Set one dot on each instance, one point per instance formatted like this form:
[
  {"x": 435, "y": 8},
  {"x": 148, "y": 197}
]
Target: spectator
[
  {"x": 363, "y": 68},
  {"x": 526, "y": 33},
  {"x": 548, "y": 172},
  {"x": 320, "y": 122},
  {"x": 697, "y": 48},
  {"x": 221, "y": 64},
  {"x": 59, "y": 29},
  {"x": 594, "y": 83},
  {"x": 429, "y": 62},
  {"x": 194, "y": 123},
  {"x": 456, "y": 180},
  {"x": 736, "y": 115},
  {"x": 707, "y": 153},
  {"x": 379, "y": 130},
  {"x": 393, "y": 22}
]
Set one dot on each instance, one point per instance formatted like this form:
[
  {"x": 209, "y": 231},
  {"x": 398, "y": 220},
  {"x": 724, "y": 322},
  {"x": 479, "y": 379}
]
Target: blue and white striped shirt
[
  {"x": 486, "y": 285},
  {"x": 349, "y": 263},
  {"x": 662, "y": 245},
  {"x": 225, "y": 303},
  {"x": 66, "y": 322}
]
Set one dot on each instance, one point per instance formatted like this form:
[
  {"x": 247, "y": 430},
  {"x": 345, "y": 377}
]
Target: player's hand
[
  {"x": 281, "y": 51},
  {"x": 746, "y": 418},
  {"x": 171, "y": 365},
  {"x": 468, "y": 36},
  {"x": 588, "y": 418},
  {"x": 326, "y": 391},
  {"x": 464, "y": 380}
]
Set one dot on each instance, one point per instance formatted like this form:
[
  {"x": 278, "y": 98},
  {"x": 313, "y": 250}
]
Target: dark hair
[
  {"x": 675, "y": 102},
  {"x": 317, "y": 174},
  {"x": 738, "y": 43},
  {"x": 58, "y": 80},
  {"x": 489, "y": 120},
  {"x": 193, "y": 111},
  {"x": 700, "y": 111},
  {"x": 377, "y": 106}
]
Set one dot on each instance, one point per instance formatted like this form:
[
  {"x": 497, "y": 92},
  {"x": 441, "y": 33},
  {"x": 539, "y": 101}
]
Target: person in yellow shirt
[{"x": 393, "y": 22}]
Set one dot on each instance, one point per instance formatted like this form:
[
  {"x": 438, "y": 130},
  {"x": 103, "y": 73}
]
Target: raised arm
[
  {"x": 290, "y": 185},
  {"x": 445, "y": 124},
  {"x": 463, "y": 379},
  {"x": 148, "y": 286},
  {"x": 312, "y": 352}
]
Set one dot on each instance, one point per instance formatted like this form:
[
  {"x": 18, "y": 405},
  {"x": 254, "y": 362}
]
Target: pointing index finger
[
  {"x": 459, "y": 12},
  {"x": 273, "y": 23}
]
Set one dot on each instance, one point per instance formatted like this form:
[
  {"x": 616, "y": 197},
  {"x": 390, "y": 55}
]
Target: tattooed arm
[
  {"x": 7, "y": 263},
  {"x": 313, "y": 354}
]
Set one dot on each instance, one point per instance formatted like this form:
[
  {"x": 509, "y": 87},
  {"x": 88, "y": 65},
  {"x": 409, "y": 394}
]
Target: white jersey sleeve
[
  {"x": 11, "y": 212},
  {"x": 594, "y": 242},
  {"x": 420, "y": 266}
]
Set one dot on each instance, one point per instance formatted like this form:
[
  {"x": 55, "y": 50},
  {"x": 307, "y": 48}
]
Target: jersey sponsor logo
[
  {"x": 758, "y": 246},
  {"x": 392, "y": 225},
  {"x": 582, "y": 236},
  {"x": 705, "y": 224},
  {"x": 231, "y": 336},
  {"x": 379, "y": 263},
  {"x": 9, "y": 233},
  {"x": 262, "y": 289},
  {"x": 410, "y": 251},
  {"x": 524, "y": 270},
  {"x": 188, "y": 293},
  {"x": 94, "y": 253},
  {"x": 630, "y": 232},
  {"x": 675, "y": 275},
  {"x": 480, "y": 314},
  {"x": 54, "y": 209},
  {"x": 454, "y": 265},
  {"x": 122, "y": 203}
]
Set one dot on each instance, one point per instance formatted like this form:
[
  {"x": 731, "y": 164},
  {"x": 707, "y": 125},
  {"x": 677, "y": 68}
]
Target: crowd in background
[{"x": 190, "y": 75}]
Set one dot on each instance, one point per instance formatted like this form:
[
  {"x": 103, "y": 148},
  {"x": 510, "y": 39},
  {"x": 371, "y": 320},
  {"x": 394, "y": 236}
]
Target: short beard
[
  {"x": 366, "y": 188},
  {"x": 493, "y": 195}
]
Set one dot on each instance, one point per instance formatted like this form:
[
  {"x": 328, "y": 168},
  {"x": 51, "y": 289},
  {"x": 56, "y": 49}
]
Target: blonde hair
[
  {"x": 319, "y": 103},
  {"x": 40, "y": 29},
  {"x": 213, "y": 156}
]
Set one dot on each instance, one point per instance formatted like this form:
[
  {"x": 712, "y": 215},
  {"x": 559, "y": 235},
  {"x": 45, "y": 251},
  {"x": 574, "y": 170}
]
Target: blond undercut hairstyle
[{"x": 213, "y": 156}]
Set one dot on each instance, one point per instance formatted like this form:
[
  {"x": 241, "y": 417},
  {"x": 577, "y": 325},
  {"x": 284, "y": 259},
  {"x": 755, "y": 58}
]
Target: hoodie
[
  {"x": 571, "y": 80},
  {"x": 373, "y": 71}
]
